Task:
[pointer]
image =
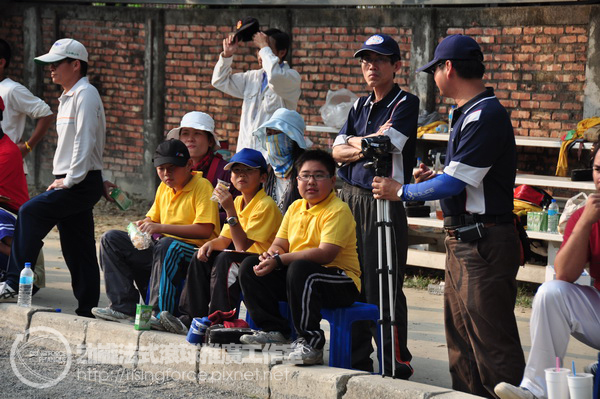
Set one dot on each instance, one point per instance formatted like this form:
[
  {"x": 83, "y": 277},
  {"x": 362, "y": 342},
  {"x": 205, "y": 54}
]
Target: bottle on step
[{"x": 25, "y": 286}]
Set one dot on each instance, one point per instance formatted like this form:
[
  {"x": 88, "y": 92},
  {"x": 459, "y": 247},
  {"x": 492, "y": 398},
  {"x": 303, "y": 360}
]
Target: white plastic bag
[
  {"x": 571, "y": 206},
  {"x": 336, "y": 108}
]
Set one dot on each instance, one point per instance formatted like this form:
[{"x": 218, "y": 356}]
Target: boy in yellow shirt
[
  {"x": 252, "y": 221},
  {"x": 182, "y": 213},
  {"x": 312, "y": 264}
]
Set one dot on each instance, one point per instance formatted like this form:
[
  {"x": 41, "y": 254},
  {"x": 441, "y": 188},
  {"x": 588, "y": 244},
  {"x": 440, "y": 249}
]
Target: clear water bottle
[
  {"x": 553, "y": 217},
  {"x": 25, "y": 286}
]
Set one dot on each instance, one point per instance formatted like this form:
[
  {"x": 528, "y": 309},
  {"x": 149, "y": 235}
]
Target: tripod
[{"x": 386, "y": 266}]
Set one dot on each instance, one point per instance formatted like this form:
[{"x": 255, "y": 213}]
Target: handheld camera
[{"x": 376, "y": 151}]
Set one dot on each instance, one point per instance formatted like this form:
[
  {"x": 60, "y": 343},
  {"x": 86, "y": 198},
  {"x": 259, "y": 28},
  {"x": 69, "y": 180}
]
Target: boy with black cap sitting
[
  {"x": 275, "y": 85},
  {"x": 182, "y": 212},
  {"x": 252, "y": 221}
]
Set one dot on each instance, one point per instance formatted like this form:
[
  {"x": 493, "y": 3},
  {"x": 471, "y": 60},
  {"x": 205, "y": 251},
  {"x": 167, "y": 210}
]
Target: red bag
[{"x": 533, "y": 195}]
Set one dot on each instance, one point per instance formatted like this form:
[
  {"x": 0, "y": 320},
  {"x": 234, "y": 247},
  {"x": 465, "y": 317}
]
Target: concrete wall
[{"x": 153, "y": 65}]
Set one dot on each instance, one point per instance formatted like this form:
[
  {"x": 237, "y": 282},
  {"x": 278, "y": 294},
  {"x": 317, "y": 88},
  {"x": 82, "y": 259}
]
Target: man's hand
[
  {"x": 260, "y": 40},
  {"x": 57, "y": 184},
  {"x": 204, "y": 252},
  {"x": 265, "y": 267},
  {"x": 230, "y": 46},
  {"x": 23, "y": 148},
  {"x": 591, "y": 213},
  {"x": 386, "y": 188},
  {"x": 108, "y": 187},
  {"x": 148, "y": 226},
  {"x": 383, "y": 128},
  {"x": 423, "y": 173}
]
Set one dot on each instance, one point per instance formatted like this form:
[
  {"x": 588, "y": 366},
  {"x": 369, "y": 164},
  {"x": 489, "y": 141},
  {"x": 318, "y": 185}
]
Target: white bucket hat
[
  {"x": 64, "y": 48},
  {"x": 196, "y": 120}
]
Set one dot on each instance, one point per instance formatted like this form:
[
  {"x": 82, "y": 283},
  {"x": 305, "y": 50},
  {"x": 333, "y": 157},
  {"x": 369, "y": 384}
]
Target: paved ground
[{"x": 426, "y": 331}]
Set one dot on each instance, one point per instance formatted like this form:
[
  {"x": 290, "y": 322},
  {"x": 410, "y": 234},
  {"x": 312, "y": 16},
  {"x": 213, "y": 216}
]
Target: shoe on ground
[
  {"x": 112, "y": 315},
  {"x": 155, "y": 324},
  {"x": 7, "y": 294},
  {"x": 263, "y": 338},
  {"x": 591, "y": 368},
  {"x": 505, "y": 390},
  {"x": 303, "y": 353},
  {"x": 172, "y": 324},
  {"x": 403, "y": 370}
]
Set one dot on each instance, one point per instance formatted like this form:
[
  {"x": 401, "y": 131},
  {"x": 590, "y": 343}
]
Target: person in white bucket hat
[{"x": 197, "y": 132}]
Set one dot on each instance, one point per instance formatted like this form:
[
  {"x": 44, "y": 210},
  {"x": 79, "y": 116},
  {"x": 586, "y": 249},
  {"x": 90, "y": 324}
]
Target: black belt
[{"x": 467, "y": 219}]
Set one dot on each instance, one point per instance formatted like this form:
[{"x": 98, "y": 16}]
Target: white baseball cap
[
  {"x": 61, "y": 49},
  {"x": 196, "y": 120}
]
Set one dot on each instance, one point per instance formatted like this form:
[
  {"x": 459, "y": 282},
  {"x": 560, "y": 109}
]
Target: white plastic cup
[
  {"x": 581, "y": 386},
  {"x": 556, "y": 382}
]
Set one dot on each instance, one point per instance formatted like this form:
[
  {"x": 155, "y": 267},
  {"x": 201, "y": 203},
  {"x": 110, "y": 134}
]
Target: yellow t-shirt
[
  {"x": 191, "y": 205},
  {"x": 331, "y": 222},
  {"x": 260, "y": 219}
]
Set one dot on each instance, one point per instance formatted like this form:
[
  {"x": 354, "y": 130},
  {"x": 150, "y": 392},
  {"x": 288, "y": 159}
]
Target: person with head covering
[{"x": 282, "y": 137}]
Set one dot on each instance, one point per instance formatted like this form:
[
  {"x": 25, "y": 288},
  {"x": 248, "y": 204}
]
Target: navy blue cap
[
  {"x": 380, "y": 44},
  {"x": 248, "y": 157},
  {"x": 454, "y": 47},
  {"x": 171, "y": 151}
]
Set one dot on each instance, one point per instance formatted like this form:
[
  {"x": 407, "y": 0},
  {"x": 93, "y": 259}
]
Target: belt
[
  {"x": 466, "y": 219},
  {"x": 452, "y": 232}
]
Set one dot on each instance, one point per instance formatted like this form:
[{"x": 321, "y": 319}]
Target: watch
[
  {"x": 232, "y": 220},
  {"x": 400, "y": 192},
  {"x": 280, "y": 264}
]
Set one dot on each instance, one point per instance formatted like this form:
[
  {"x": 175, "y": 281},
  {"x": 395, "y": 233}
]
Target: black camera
[{"x": 376, "y": 150}]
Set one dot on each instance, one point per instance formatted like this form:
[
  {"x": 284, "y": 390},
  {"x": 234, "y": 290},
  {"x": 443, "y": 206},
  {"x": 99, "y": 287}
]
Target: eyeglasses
[
  {"x": 317, "y": 177},
  {"x": 243, "y": 171},
  {"x": 375, "y": 60},
  {"x": 57, "y": 63},
  {"x": 440, "y": 64}
]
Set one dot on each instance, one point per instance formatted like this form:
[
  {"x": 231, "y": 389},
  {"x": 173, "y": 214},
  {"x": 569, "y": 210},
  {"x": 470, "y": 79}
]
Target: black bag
[{"x": 219, "y": 334}]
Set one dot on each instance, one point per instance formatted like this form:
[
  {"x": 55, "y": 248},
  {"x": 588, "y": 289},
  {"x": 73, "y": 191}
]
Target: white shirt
[
  {"x": 282, "y": 91},
  {"x": 19, "y": 104},
  {"x": 81, "y": 128}
]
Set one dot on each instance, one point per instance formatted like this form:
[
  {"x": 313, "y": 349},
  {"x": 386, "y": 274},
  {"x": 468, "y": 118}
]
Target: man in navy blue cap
[
  {"x": 389, "y": 111},
  {"x": 482, "y": 244}
]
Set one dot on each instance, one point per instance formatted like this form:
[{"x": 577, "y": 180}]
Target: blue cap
[
  {"x": 454, "y": 47},
  {"x": 380, "y": 44},
  {"x": 248, "y": 157}
]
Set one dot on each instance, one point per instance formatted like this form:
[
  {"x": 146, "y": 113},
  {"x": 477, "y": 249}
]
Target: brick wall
[{"x": 536, "y": 61}]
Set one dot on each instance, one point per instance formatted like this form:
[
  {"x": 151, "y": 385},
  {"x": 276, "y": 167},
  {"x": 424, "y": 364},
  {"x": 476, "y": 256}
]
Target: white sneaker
[
  {"x": 505, "y": 390},
  {"x": 155, "y": 324},
  {"x": 263, "y": 338},
  {"x": 172, "y": 324},
  {"x": 7, "y": 294},
  {"x": 112, "y": 315},
  {"x": 303, "y": 353},
  {"x": 591, "y": 368}
]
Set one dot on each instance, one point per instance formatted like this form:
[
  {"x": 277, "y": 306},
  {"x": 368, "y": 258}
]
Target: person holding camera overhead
[
  {"x": 482, "y": 243},
  {"x": 391, "y": 112}
]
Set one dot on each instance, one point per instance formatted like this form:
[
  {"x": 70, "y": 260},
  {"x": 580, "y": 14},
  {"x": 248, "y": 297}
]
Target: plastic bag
[
  {"x": 336, "y": 108},
  {"x": 220, "y": 183},
  {"x": 571, "y": 206},
  {"x": 139, "y": 240}
]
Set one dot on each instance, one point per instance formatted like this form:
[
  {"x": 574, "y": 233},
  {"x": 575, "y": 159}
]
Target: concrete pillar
[
  {"x": 591, "y": 96},
  {"x": 424, "y": 42},
  {"x": 154, "y": 94}
]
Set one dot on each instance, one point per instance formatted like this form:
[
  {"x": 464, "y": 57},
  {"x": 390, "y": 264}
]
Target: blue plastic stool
[{"x": 340, "y": 327}]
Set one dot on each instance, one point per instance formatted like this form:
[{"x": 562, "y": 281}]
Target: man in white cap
[{"x": 78, "y": 185}]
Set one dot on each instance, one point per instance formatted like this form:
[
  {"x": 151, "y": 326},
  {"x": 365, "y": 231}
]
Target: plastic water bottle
[
  {"x": 553, "y": 217},
  {"x": 450, "y": 116},
  {"x": 418, "y": 163},
  {"x": 25, "y": 286}
]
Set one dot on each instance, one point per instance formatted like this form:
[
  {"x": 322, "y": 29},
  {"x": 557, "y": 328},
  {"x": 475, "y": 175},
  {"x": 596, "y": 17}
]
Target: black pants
[
  {"x": 484, "y": 348},
  {"x": 364, "y": 208},
  {"x": 210, "y": 286},
  {"x": 71, "y": 210},
  {"x": 307, "y": 286}
]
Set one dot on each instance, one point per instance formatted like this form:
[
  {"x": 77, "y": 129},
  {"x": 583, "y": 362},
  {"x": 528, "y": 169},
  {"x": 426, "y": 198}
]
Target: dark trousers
[
  {"x": 307, "y": 286},
  {"x": 169, "y": 267},
  {"x": 71, "y": 210},
  {"x": 124, "y": 265},
  {"x": 479, "y": 300},
  {"x": 210, "y": 286},
  {"x": 364, "y": 208}
]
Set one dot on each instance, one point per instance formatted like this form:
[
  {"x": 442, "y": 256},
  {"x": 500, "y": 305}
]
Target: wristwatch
[
  {"x": 280, "y": 264},
  {"x": 232, "y": 220},
  {"x": 400, "y": 192}
]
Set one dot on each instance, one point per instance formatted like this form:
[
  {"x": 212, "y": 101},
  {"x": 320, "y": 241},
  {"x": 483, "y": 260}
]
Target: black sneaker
[{"x": 172, "y": 324}]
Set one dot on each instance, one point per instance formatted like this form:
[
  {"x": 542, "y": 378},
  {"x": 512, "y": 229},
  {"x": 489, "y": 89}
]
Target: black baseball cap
[
  {"x": 380, "y": 44},
  {"x": 171, "y": 151},
  {"x": 454, "y": 47},
  {"x": 245, "y": 29}
]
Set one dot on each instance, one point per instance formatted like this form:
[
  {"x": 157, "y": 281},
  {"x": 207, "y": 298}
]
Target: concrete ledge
[
  {"x": 373, "y": 386},
  {"x": 310, "y": 382},
  {"x": 161, "y": 351},
  {"x": 112, "y": 343},
  {"x": 73, "y": 328},
  {"x": 16, "y": 318}
]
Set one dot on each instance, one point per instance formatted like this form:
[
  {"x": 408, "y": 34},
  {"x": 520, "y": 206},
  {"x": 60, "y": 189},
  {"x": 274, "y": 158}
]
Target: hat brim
[
  {"x": 230, "y": 164},
  {"x": 177, "y": 161},
  {"x": 427, "y": 67},
  {"x": 174, "y": 134},
  {"x": 246, "y": 32},
  {"x": 357, "y": 54},
  {"x": 48, "y": 58}
]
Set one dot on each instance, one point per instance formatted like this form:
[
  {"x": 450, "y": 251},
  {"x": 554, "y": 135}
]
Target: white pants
[{"x": 560, "y": 309}]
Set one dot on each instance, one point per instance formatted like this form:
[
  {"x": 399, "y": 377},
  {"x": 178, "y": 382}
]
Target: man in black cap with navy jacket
[
  {"x": 390, "y": 111},
  {"x": 482, "y": 244}
]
